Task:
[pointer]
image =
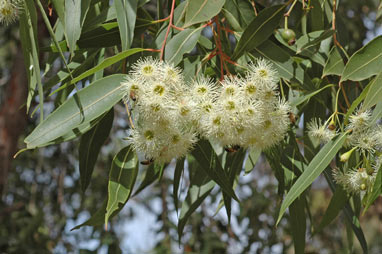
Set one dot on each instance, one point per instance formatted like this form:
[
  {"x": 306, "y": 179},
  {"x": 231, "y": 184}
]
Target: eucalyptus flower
[
  {"x": 355, "y": 180},
  {"x": 9, "y": 11},
  {"x": 319, "y": 131}
]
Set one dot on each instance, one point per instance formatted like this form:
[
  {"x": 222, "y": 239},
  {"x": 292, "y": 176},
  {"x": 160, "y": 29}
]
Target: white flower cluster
[
  {"x": 355, "y": 180},
  {"x": 242, "y": 111},
  {"x": 170, "y": 114},
  {"x": 9, "y": 11},
  {"x": 162, "y": 115},
  {"x": 365, "y": 137}
]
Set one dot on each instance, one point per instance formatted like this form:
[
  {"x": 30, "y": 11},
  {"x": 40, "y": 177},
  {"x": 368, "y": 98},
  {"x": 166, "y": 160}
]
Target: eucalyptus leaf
[
  {"x": 298, "y": 224},
  {"x": 198, "y": 11},
  {"x": 312, "y": 39},
  {"x": 337, "y": 203},
  {"x": 335, "y": 64},
  {"x": 259, "y": 30},
  {"x": 200, "y": 187},
  {"x": 126, "y": 14},
  {"x": 364, "y": 63},
  {"x": 90, "y": 146},
  {"x": 180, "y": 44},
  {"x": 314, "y": 169},
  {"x": 374, "y": 93},
  {"x": 86, "y": 105},
  {"x": 75, "y": 13},
  {"x": 123, "y": 173},
  {"x": 208, "y": 161}
]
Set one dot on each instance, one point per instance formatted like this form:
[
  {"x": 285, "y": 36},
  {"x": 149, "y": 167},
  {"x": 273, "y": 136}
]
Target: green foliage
[{"x": 97, "y": 43}]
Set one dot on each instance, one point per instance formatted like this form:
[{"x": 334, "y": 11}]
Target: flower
[
  {"x": 319, "y": 131},
  {"x": 9, "y": 10},
  {"x": 355, "y": 180},
  {"x": 179, "y": 144},
  {"x": 147, "y": 141},
  {"x": 263, "y": 71},
  {"x": 240, "y": 111},
  {"x": 360, "y": 120},
  {"x": 146, "y": 68}
]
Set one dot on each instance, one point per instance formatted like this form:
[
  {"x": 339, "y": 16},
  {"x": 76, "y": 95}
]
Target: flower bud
[{"x": 345, "y": 156}]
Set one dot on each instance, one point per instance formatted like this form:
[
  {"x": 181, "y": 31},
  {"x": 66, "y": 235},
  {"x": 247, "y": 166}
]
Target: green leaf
[
  {"x": 200, "y": 187},
  {"x": 177, "y": 177},
  {"x": 123, "y": 173},
  {"x": 301, "y": 99},
  {"x": 335, "y": 64},
  {"x": 153, "y": 172},
  {"x": 253, "y": 156},
  {"x": 59, "y": 7},
  {"x": 242, "y": 11},
  {"x": 354, "y": 221},
  {"x": 86, "y": 105},
  {"x": 76, "y": 132},
  {"x": 316, "y": 166},
  {"x": 377, "y": 113},
  {"x": 364, "y": 63},
  {"x": 207, "y": 159},
  {"x": 180, "y": 44},
  {"x": 28, "y": 36},
  {"x": 198, "y": 11},
  {"x": 232, "y": 20},
  {"x": 79, "y": 64},
  {"x": 104, "y": 64},
  {"x": 126, "y": 15},
  {"x": 284, "y": 63},
  {"x": 312, "y": 39},
  {"x": 97, "y": 219},
  {"x": 259, "y": 30},
  {"x": 374, "y": 94},
  {"x": 336, "y": 204},
  {"x": 298, "y": 224},
  {"x": 376, "y": 190},
  {"x": 316, "y": 15},
  {"x": 75, "y": 13},
  {"x": 233, "y": 166},
  {"x": 90, "y": 146}
]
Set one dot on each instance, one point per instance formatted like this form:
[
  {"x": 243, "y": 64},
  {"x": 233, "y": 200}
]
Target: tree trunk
[{"x": 12, "y": 117}]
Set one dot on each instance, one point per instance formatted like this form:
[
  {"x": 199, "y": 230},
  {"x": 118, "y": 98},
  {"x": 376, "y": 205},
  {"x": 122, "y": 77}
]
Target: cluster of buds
[
  {"x": 9, "y": 11},
  {"x": 170, "y": 115}
]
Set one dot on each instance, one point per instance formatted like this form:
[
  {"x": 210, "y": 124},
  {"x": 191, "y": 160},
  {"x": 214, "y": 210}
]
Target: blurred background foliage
[{"x": 42, "y": 198}]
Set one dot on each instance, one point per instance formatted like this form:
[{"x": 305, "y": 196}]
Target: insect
[
  {"x": 292, "y": 117},
  {"x": 232, "y": 149},
  {"x": 133, "y": 96},
  {"x": 147, "y": 162}
]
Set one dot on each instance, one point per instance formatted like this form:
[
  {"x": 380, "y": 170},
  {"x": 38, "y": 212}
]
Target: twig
[
  {"x": 171, "y": 17},
  {"x": 344, "y": 94},
  {"x": 129, "y": 116}
]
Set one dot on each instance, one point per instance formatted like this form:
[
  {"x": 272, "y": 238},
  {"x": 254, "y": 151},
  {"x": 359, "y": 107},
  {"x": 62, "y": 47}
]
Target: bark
[{"x": 13, "y": 117}]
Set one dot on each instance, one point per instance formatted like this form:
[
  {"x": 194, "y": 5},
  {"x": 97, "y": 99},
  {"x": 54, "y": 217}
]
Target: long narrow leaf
[
  {"x": 122, "y": 178},
  {"x": 316, "y": 166},
  {"x": 86, "y": 105}
]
